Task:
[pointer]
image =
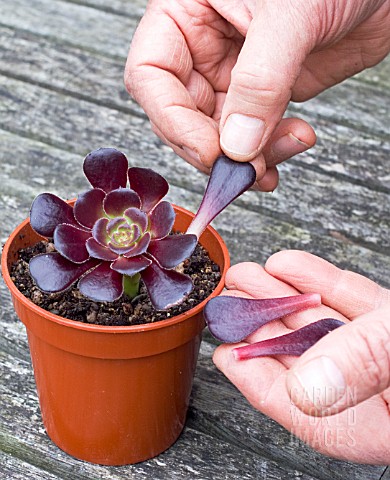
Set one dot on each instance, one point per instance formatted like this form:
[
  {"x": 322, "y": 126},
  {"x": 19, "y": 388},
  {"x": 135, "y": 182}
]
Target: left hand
[{"x": 336, "y": 396}]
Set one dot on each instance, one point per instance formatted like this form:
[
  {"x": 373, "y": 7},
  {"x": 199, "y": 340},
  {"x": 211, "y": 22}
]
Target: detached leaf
[
  {"x": 170, "y": 251},
  {"x": 54, "y": 273},
  {"x": 231, "y": 319},
  {"x": 106, "y": 168},
  {"x": 294, "y": 343},
  {"x": 48, "y": 211},
  {"x": 102, "y": 284},
  {"x": 150, "y": 186},
  {"x": 166, "y": 288},
  {"x": 228, "y": 180}
]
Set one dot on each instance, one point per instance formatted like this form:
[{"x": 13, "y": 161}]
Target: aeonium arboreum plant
[{"x": 115, "y": 235}]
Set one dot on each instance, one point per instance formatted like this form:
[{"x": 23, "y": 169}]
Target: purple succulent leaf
[
  {"x": 54, "y": 273},
  {"x": 106, "y": 168},
  {"x": 117, "y": 201},
  {"x": 96, "y": 250},
  {"x": 228, "y": 180},
  {"x": 166, "y": 288},
  {"x": 125, "y": 239},
  {"x": 150, "y": 186},
  {"x": 231, "y": 319},
  {"x": 131, "y": 232},
  {"x": 130, "y": 266},
  {"x": 89, "y": 207},
  {"x": 122, "y": 250},
  {"x": 99, "y": 231},
  {"x": 114, "y": 224},
  {"x": 294, "y": 343},
  {"x": 70, "y": 242},
  {"x": 134, "y": 215},
  {"x": 140, "y": 247},
  {"x": 172, "y": 250},
  {"x": 161, "y": 219},
  {"x": 102, "y": 284},
  {"x": 48, "y": 211},
  {"x": 125, "y": 236}
]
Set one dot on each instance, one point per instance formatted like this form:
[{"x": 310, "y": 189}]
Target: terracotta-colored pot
[{"x": 112, "y": 395}]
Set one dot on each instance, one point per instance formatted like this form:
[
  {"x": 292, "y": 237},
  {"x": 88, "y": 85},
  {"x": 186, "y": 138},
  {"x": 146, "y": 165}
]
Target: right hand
[{"x": 217, "y": 75}]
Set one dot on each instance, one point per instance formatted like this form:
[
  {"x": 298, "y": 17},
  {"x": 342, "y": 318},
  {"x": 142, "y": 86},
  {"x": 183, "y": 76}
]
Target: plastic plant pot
[{"x": 113, "y": 395}]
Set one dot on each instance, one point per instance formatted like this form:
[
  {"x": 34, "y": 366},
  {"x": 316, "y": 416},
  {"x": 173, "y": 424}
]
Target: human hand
[
  {"x": 336, "y": 396},
  {"x": 219, "y": 74}
]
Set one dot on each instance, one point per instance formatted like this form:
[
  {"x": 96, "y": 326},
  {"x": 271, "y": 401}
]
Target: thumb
[
  {"x": 278, "y": 40},
  {"x": 347, "y": 366}
]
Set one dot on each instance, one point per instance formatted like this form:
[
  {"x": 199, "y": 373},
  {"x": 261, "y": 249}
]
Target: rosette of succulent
[{"x": 115, "y": 234}]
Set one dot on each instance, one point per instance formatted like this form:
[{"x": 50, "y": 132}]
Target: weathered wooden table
[{"x": 62, "y": 95}]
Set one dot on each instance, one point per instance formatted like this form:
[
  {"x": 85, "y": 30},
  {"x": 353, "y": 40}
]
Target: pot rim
[{"x": 107, "y": 328}]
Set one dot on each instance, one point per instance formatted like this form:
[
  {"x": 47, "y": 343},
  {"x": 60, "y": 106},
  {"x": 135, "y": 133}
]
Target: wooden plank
[
  {"x": 386, "y": 474},
  {"x": 232, "y": 438},
  {"x": 22, "y": 438},
  {"x": 134, "y": 8},
  {"x": 83, "y": 9},
  {"x": 344, "y": 153},
  {"x": 14, "y": 469},
  {"x": 353, "y": 103},
  {"x": 378, "y": 75},
  {"x": 360, "y": 157},
  {"x": 70, "y": 23},
  {"x": 60, "y": 96},
  {"x": 337, "y": 206},
  {"x": 235, "y": 437},
  {"x": 352, "y": 211},
  {"x": 65, "y": 69},
  {"x": 250, "y": 235}
]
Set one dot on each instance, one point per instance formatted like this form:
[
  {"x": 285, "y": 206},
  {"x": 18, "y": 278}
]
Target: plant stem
[{"x": 131, "y": 285}]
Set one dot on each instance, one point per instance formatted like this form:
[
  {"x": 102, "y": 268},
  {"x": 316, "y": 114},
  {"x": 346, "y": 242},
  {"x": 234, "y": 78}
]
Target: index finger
[
  {"x": 347, "y": 292},
  {"x": 255, "y": 281},
  {"x": 158, "y": 68}
]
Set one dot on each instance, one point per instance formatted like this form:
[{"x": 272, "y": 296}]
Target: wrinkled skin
[
  {"x": 193, "y": 63},
  {"x": 357, "y": 426}
]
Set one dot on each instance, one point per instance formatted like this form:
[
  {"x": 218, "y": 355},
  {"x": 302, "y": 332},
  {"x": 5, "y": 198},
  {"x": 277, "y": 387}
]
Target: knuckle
[
  {"x": 140, "y": 79},
  {"x": 374, "y": 355},
  {"x": 262, "y": 82},
  {"x": 129, "y": 78}
]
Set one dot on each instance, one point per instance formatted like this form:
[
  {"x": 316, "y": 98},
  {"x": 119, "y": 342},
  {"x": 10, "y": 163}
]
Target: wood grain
[{"x": 62, "y": 95}]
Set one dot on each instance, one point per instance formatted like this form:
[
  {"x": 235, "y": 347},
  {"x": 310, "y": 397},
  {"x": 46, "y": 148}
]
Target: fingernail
[
  {"x": 288, "y": 146},
  {"x": 318, "y": 383},
  {"x": 241, "y": 134}
]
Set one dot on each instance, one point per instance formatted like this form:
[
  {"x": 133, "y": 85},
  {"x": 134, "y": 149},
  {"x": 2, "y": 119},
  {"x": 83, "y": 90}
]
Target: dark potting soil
[{"x": 73, "y": 305}]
